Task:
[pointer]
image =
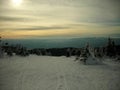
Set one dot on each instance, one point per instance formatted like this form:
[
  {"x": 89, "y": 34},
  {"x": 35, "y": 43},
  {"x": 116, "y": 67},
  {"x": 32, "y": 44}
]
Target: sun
[{"x": 16, "y": 2}]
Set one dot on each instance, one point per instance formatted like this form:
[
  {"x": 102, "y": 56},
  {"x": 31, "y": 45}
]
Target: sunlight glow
[{"x": 16, "y": 2}]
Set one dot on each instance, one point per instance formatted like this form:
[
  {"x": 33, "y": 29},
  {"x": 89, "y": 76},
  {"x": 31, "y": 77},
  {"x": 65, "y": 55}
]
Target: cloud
[
  {"x": 77, "y": 15},
  {"x": 90, "y": 11},
  {"x": 14, "y": 19},
  {"x": 37, "y": 28},
  {"x": 43, "y": 28}
]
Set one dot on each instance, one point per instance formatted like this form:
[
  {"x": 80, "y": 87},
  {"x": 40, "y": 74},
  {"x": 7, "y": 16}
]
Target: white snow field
[{"x": 57, "y": 73}]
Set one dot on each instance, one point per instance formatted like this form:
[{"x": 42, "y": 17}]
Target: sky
[{"x": 59, "y": 18}]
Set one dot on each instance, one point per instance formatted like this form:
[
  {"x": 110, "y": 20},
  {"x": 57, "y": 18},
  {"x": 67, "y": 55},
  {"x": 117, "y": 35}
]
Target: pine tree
[
  {"x": 110, "y": 47},
  {"x": 1, "y": 51}
]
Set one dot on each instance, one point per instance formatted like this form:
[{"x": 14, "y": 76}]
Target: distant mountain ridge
[{"x": 61, "y": 43}]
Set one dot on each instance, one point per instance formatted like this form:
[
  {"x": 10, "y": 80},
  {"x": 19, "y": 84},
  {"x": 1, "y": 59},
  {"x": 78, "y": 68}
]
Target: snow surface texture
[{"x": 57, "y": 73}]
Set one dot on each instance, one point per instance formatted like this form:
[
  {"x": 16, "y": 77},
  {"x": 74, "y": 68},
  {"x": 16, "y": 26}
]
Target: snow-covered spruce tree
[
  {"x": 1, "y": 49},
  {"x": 110, "y": 49},
  {"x": 77, "y": 54},
  {"x": 68, "y": 52},
  {"x": 85, "y": 53}
]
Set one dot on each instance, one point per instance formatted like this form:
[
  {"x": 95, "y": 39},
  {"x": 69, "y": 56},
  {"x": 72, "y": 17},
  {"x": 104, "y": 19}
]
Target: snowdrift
[{"x": 57, "y": 73}]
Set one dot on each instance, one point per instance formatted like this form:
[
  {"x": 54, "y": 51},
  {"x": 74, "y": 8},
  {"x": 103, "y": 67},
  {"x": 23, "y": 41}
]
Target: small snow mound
[{"x": 93, "y": 61}]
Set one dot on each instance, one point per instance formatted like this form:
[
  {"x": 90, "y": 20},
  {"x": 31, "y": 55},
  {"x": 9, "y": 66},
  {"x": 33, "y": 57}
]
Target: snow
[{"x": 57, "y": 73}]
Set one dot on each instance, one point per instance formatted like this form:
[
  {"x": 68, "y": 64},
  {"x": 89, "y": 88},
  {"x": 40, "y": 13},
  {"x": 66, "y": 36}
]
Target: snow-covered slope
[{"x": 56, "y": 73}]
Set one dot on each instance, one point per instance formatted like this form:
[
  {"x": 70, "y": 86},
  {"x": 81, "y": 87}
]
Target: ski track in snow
[
  {"x": 62, "y": 83},
  {"x": 56, "y": 73}
]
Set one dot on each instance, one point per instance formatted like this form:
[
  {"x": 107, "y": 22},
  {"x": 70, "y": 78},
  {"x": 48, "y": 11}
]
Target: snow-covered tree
[
  {"x": 110, "y": 49},
  {"x": 1, "y": 50}
]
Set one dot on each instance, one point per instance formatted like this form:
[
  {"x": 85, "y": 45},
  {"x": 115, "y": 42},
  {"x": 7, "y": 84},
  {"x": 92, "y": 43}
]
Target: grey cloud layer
[
  {"x": 14, "y": 19},
  {"x": 43, "y": 28},
  {"x": 38, "y": 28},
  {"x": 104, "y": 12}
]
